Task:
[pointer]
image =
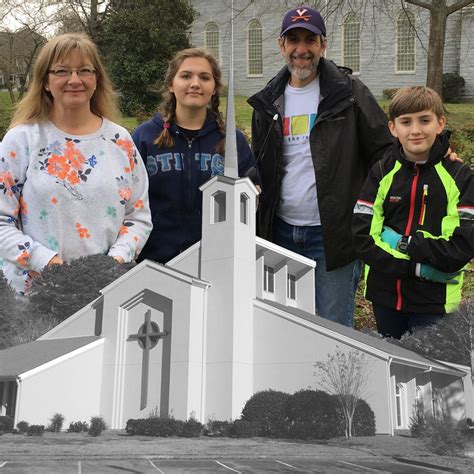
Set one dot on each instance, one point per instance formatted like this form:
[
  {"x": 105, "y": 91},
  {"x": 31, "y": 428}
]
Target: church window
[
  {"x": 268, "y": 279},
  {"x": 291, "y": 287},
  {"x": 219, "y": 204},
  {"x": 351, "y": 42},
  {"x": 211, "y": 38},
  {"x": 244, "y": 211},
  {"x": 254, "y": 49},
  {"x": 399, "y": 392},
  {"x": 405, "y": 42}
]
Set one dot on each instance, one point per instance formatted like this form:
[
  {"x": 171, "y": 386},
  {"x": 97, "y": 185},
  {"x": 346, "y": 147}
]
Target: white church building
[{"x": 232, "y": 315}]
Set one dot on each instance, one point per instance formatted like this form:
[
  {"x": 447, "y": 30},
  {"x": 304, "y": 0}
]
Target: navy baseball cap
[{"x": 304, "y": 17}]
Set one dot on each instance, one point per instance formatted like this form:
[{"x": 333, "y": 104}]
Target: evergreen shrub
[
  {"x": 363, "y": 422},
  {"x": 311, "y": 415},
  {"x": 6, "y": 424},
  {"x": 78, "y": 427},
  {"x": 22, "y": 426},
  {"x": 442, "y": 437},
  {"x": 217, "y": 428},
  {"x": 35, "y": 430},
  {"x": 453, "y": 87},
  {"x": 417, "y": 424},
  {"x": 191, "y": 428},
  {"x": 97, "y": 426},
  {"x": 389, "y": 93},
  {"x": 243, "y": 429},
  {"x": 55, "y": 423},
  {"x": 267, "y": 409},
  {"x": 163, "y": 427}
]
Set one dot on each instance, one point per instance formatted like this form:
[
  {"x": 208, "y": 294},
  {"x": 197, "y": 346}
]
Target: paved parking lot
[{"x": 153, "y": 465}]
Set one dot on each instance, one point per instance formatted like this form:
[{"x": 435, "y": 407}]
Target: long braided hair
[{"x": 168, "y": 102}]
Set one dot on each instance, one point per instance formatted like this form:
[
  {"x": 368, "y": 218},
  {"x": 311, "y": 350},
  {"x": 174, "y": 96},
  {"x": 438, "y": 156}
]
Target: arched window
[
  {"x": 211, "y": 38},
  {"x": 405, "y": 42},
  {"x": 254, "y": 49},
  {"x": 351, "y": 42},
  {"x": 219, "y": 210}
]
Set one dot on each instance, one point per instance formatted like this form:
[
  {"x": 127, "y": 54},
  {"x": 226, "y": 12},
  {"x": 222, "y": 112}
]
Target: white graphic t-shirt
[{"x": 298, "y": 198}]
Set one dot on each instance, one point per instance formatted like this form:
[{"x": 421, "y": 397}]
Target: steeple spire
[{"x": 231, "y": 169}]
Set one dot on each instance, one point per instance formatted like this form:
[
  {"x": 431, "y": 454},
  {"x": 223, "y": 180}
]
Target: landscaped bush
[
  {"x": 55, "y": 423},
  {"x": 311, "y": 415},
  {"x": 267, "y": 409},
  {"x": 35, "y": 430},
  {"x": 363, "y": 422},
  {"x": 443, "y": 437},
  {"x": 417, "y": 424},
  {"x": 191, "y": 428},
  {"x": 22, "y": 426},
  {"x": 6, "y": 424},
  {"x": 164, "y": 427},
  {"x": 217, "y": 428},
  {"x": 78, "y": 427},
  {"x": 97, "y": 426},
  {"x": 453, "y": 87},
  {"x": 243, "y": 429},
  {"x": 388, "y": 93}
]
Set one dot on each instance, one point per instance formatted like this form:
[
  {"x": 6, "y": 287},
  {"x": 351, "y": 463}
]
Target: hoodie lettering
[{"x": 174, "y": 162}]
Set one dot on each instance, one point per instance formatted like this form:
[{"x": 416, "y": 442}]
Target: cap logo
[{"x": 301, "y": 15}]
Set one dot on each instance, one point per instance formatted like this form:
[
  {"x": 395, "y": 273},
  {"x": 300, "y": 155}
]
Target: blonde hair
[
  {"x": 37, "y": 104},
  {"x": 168, "y": 102},
  {"x": 410, "y": 100}
]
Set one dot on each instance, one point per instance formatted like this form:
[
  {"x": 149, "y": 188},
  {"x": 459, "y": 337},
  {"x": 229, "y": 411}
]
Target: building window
[
  {"x": 405, "y": 42},
  {"x": 351, "y": 42},
  {"x": 436, "y": 397},
  {"x": 399, "y": 403},
  {"x": 211, "y": 39},
  {"x": 254, "y": 49},
  {"x": 268, "y": 279},
  {"x": 219, "y": 199},
  {"x": 419, "y": 409},
  {"x": 291, "y": 287},
  {"x": 244, "y": 208}
]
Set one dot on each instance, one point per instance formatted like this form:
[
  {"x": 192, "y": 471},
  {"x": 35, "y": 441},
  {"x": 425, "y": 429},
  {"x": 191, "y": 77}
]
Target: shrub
[
  {"x": 443, "y": 437},
  {"x": 243, "y": 429},
  {"x": 22, "y": 426},
  {"x": 78, "y": 427},
  {"x": 311, "y": 414},
  {"x": 389, "y": 93},
  {"x": 164, "y": 427},
  {"x": 267, "y": 409},
  {"x": 191, "y": 428},
  {"x": 453, "y": 87},
  {"x": 97, "y": 426},
  {"x": 55, "y": 423},
  {"x": 417, "y": 424},
  {"x": 6, "y": 424},
  {"x": 363, "y": 421},
  {"x": 35, "y": 430},
  {"x": 217, "y": 428}
]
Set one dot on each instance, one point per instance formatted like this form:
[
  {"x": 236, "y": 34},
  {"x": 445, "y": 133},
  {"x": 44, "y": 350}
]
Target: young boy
[{"x": 413, "y": 224}]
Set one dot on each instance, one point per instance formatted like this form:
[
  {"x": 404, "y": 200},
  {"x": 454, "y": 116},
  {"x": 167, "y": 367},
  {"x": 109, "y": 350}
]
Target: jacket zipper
[
  {"x": 424, "y": 200},
  {"x": 411, "y": 214}
]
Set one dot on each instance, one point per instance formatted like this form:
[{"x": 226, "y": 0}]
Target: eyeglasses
[{"x": 66, "y": 72}]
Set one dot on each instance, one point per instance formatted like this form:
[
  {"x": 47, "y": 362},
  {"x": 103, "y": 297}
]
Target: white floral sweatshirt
[{"x": 69, "y": 195}]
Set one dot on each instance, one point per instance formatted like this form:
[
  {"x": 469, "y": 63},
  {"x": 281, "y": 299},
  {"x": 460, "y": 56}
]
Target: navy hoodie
[{"x": 175, "y": 175}]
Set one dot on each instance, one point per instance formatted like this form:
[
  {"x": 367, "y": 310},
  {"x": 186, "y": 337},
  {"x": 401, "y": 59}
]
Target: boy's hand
[
  {"x": 452, "y": 156},
  {"x": 390, "y": 237},
  {"x": 430, "y": 273}
]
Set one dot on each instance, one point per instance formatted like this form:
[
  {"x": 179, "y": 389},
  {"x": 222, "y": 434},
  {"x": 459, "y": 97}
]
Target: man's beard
[{"x": 302, "y": 73}]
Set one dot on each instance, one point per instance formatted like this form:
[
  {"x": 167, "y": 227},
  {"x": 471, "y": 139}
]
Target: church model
[{"x": 232, "y": 315}]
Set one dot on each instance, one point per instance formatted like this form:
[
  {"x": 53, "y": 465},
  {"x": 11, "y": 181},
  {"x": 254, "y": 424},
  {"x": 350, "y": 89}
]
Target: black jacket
[
  {"x": 433, "y": 203},
  {"x": 175, "y": 175},
  {"x": 349, "y": 135}
]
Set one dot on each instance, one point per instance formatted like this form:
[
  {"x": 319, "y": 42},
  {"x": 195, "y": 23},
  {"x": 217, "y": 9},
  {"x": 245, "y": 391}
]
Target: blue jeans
[
  {"x": 335, "y": 290},
  {"x": 393, "y": 323}
]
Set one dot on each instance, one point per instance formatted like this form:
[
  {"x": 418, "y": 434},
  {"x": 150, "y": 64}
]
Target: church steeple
[{"x": 231, "y": 169}]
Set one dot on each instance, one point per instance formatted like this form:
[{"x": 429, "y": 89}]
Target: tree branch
[
  {"x": 422, "y": 4},
  {"x": 458, "y": 5}
]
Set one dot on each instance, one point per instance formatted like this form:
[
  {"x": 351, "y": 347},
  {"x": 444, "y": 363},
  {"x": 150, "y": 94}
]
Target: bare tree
[
  {"x": 345, "y": 375},
  {"x": 439, "y": 11}
]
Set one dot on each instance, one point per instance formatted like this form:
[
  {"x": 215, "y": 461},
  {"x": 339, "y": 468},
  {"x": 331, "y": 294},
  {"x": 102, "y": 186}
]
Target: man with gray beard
[{"x": 316, "y": 131}]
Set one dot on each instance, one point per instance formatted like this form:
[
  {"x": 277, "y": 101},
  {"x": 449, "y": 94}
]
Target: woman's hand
[{"x": 119, "y": 259}]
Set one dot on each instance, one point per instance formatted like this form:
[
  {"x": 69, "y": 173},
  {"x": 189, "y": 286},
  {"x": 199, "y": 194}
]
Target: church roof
[
  {"x": 17, "y": 360},
  {"x": 350, "y": 336}
]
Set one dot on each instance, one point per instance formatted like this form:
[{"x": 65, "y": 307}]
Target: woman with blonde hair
[
  {"x": 183, "y": 146},
  {"x": 71, "y": 181}
]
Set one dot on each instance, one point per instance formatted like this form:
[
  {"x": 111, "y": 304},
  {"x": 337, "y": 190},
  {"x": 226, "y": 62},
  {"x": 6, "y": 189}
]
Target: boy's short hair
[{"x": 409, "y": 100}]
